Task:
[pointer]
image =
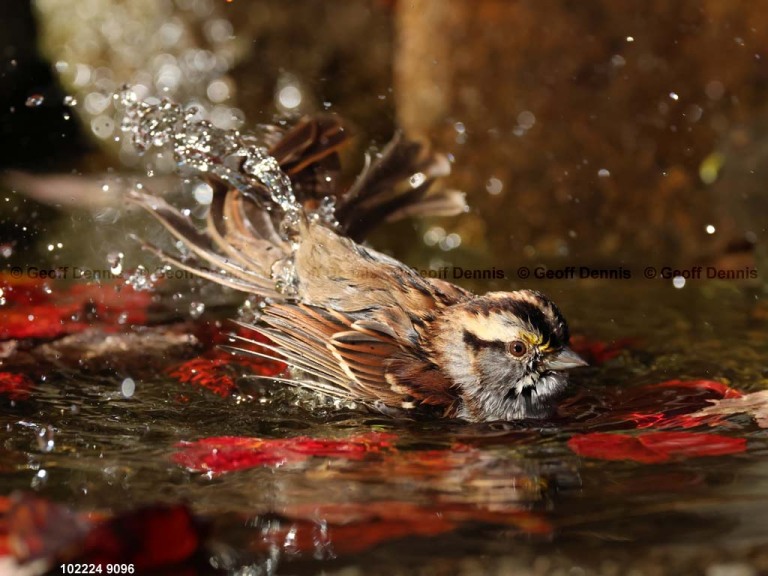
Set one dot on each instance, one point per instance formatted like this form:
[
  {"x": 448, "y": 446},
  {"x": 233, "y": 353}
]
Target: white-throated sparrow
[{"x": 351, "y": 322}]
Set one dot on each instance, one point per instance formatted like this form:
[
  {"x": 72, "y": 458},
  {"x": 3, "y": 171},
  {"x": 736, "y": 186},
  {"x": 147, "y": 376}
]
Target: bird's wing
[{"x": 355, "y": 360}]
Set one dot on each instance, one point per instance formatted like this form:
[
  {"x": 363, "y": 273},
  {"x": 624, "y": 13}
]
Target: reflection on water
[{"x": 380, "y": 494}]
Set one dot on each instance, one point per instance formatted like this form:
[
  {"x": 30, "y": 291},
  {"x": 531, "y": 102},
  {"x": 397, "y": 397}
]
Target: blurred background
[{"x": 581, "y": 133}]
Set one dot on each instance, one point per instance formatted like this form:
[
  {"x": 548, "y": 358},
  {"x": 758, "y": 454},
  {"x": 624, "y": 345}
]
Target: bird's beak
[{"x": 564, "y": 360}]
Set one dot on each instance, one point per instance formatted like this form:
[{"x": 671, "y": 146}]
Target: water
[
  {"x": 437, "y": 496},
  {"x": 111, "y": 403}
]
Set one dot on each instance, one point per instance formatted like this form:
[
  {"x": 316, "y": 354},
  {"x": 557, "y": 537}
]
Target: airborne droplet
[{"x": 34, "y": 101}]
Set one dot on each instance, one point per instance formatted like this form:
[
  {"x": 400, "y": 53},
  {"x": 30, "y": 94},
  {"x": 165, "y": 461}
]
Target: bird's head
[{"x": 506, "y": 353}]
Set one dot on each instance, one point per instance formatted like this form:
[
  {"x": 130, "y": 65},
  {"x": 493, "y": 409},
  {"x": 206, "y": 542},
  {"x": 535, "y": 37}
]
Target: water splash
[
  {"x": 203, "y": 149},
  {"x": 140, "y": 280},
  {"x": 326, "y": 212},
  {"x": 235, "y": 158}
]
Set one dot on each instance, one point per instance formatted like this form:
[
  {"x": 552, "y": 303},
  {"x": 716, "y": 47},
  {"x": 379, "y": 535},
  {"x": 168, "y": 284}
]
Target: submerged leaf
[
  {"x": 150, "y": 537},
  {"x": 229, "y": 453},
  {"x": 34, "y": 310},
  {"x": 654, "y": 447},
  {"x": 217, "y": 369},
  {"x": 15, "y": 386}
]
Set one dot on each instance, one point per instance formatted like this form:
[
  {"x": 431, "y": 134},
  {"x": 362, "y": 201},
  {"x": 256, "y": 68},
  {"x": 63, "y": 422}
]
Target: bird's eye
[{"x": 517, "y": 348}]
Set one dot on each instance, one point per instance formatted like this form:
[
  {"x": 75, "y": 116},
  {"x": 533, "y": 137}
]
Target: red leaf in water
[
  {"x": 679, "y": 400},
  {"x": 211, "y": 373},
  {"x": 218, "y": 369},
  {"x": 40, "y": 528},
  {"x": 693, "y": 444},
  {"x": 15, "y": 386},
  {"x": 22, "y": 291},
  {"x": 33, "y": 310},
  {"x": 229, "y": 453},
  {"x": 613, "y": 447},
  {"x": 41, "y": 321},
  {"x": 654, "y": 447},
  {"x": 255, "y": 364},
  {"x": 150, "y": 538},
  {"x": 114, "y": 303}
]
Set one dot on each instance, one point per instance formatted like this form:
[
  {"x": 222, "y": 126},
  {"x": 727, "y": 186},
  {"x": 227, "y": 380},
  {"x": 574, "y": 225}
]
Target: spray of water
[{"x": 235, "y": 158}]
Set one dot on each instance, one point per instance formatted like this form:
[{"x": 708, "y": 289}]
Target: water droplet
[
  {"x": 325, "y": 212},
  {"x": 603, "y": 173},
  {"x": 714, "y": 90},
  {"x": 434, "y": 235},
  {"x": 251, "y": 310},
  {"x": 678, "y": 282},
  {"x": 34, "y": 101},
  {"x": 674, "y": 96},
  {"x": 494, "y": 186},
  {"x": 128, "y": 387},
  {"x": 203, "y": 193},
  {"x": 417, "y": 179},
  {"x": 617, "y": 60},
  {"x": 218, "y": 91},
  {"x": 450, "y": 242},
  {"x": 102, "y": 126},
  {"x": 115, "y": 260},
  {"x": 630, "y": 39},
  {"x": 710, "y": 229},
  {"x": 710, "y": 167},
  {"x": 45, "y": 439},
  {"x": 140, "y": 280},
  {"x": 526, "y": 119},
  {"x": 196, "y": 309},
  {"x": 39, "y": 480},
  {"x": 693, "y": 113},
  {"x": 70, "y": 101},
  {"x": 285, "y": 277},
  {"x": 289, "y": 97}
]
